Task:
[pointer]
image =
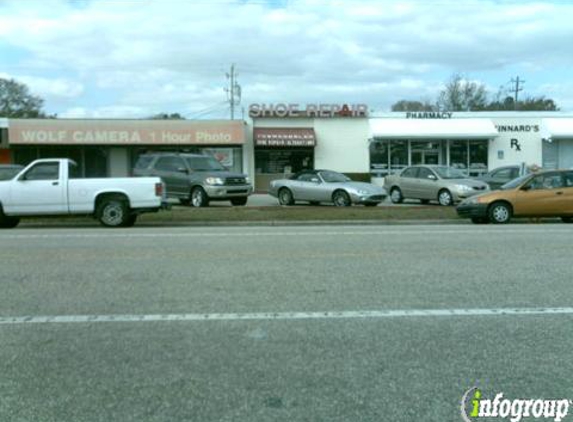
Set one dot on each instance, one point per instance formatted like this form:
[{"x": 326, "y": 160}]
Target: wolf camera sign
[{"x": 308, "y": 110}]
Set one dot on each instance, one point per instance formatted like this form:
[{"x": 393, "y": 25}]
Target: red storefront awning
[{"x": 284, "y": 137}]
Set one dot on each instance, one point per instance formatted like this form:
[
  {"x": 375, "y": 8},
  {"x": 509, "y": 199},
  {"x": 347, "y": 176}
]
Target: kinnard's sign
[{"x": 309, "y": 110}]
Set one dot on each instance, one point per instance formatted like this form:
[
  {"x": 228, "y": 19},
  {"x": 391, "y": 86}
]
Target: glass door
[{"x": 425, "y": 152}]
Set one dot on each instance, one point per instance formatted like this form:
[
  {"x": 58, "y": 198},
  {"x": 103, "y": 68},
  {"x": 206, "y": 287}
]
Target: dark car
[
  {"x": 8, "y": 171},
  {"x": 498, "y": 177},
  {"x": 195, "y": 179}
]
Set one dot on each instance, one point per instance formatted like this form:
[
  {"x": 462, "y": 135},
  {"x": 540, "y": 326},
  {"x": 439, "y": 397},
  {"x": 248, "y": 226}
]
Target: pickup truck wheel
[
  {"x": 239, "y": 201},
  {"x": 396, "y": 196},
  {"x": 8, "y": 222},
  {"x": 445, "y": 197},
  {"x": 130, "y": 220},
  {"x": 285, "y": 197},
  {"x": 199, "y": 197},
  {"x": 114, "y": 212},
  {"x": 341, "y": 199}
]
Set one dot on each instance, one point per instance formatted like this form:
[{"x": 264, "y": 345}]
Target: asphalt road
[{"x": 281, "y": 324}]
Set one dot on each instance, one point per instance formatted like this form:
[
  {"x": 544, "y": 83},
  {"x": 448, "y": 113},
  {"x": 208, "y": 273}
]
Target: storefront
[
  {"x": 288, "y": 138},
  {"x": 558, "y": 143},
  {"x": 366, "y": 147},
  {"x": 460, "y": 143},
  {"x": 111, "y": 147},
  {"x": 280, "y": 152}
]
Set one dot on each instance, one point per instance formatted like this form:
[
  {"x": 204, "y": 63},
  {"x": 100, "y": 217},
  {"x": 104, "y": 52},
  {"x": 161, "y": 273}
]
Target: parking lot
[{"x": 331, "y": 323}]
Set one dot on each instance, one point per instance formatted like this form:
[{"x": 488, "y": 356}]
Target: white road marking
[
  {"x": 298, "y": 233},
  {"x": 400, "y": 313}
]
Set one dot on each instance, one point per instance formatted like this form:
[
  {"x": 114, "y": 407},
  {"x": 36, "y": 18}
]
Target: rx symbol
[{"x": 515, "y": 144}]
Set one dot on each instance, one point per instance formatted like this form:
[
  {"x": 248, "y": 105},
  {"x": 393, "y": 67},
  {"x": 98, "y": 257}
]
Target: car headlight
[
  {"x": 247, "y": 179},
  {"x": 214, "y": 181},
  {"x": 464, "y": 188},
  {"x": 470, "y": 201},
  {"x": 362, "y": 192}
]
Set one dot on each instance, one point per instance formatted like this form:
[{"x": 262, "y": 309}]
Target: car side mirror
[
  {"x": 525, "y": 188},
  {"x": 182, "y": 170},
  {"x": 315, "y": 180},
  {"x": 432, "y": 177}
]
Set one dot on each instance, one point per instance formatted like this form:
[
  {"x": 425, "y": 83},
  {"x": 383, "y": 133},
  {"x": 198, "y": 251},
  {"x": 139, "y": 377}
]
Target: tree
[
  {"x": 461, "y": 94},
  {"x": 16, "y": 101},
  {"x": 529, "y": 104},
  {"x": 406, "y": 105},
  {"x": 167, "y": 116}
]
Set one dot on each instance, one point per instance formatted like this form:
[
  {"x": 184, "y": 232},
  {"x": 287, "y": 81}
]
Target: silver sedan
[
  {"x": 316, "y": 186},
  {"x": 445, "y": 184}
]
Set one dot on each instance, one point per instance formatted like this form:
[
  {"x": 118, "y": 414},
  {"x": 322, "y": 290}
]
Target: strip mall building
[{"x": 283, "y": 139}]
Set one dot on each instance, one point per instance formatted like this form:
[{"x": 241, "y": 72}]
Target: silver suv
[{"x": 195, "y": 179}]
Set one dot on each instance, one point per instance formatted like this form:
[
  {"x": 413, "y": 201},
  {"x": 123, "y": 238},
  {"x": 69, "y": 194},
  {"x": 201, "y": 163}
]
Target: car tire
[
  {"x": 239, "y": 201},
  {"x": 445, "y": 198},
  {"x": 480, "y": 220},
  {"x": 396, "y": 195},
  {"x": 499, "y": 213},
  {"x": 341, "y": 199},
  {"x": 199, "y": 197},
  {"x": 130, "y": 222},
  {"x": 7, "y": 222},
  {"x": 285, "y": 197},
  {"x": 568, "y": 220},
  {"x": 113, "y": 212}
]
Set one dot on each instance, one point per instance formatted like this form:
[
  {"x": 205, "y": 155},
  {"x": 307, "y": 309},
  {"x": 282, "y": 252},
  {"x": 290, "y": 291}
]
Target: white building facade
[{"x": 377, "y": 145}]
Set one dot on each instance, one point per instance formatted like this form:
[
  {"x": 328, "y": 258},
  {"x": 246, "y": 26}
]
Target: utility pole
[
  {"x": 516, "y": 90},
  {"x": 233, "y": 91}
]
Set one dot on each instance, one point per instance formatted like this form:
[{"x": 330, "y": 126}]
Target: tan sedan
[
  {"x": 543, "y": 194},
  {"x": 444, "y": 184}
]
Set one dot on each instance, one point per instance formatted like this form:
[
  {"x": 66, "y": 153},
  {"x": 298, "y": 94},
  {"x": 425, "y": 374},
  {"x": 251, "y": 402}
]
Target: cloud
[{"x": 172, "y": 55}]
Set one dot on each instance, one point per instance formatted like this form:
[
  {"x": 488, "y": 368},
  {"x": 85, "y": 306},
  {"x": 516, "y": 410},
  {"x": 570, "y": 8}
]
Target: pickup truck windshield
[{"x": 204, "y": 164}]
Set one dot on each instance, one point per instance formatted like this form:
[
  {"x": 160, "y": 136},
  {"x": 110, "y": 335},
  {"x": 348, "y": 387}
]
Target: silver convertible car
[{"x": 316, "y": 186}]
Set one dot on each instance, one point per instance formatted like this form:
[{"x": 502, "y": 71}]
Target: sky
[{"x": 137, "y": 58}]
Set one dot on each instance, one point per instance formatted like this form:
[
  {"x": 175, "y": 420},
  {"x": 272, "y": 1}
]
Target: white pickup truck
[{"x": 47, "y": 187}]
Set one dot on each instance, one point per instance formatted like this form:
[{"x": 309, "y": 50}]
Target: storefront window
[
  {"x": 459, "y": 155},
  {"x": 91, "y": 161},
  {"x": 280, "y": 161},
  {"x": 379, "y": 156},
  {"x": 398, "y": 155},
  {"x": 478, "y": 158},
  {"x": 469, "y": 156},
  {"x": 95, "y": 162}
]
